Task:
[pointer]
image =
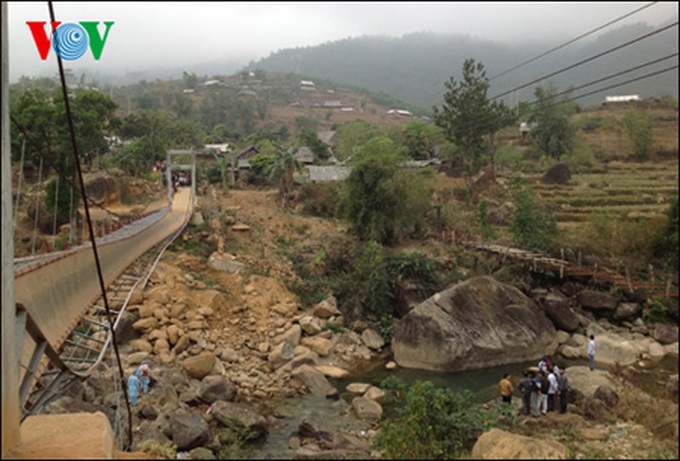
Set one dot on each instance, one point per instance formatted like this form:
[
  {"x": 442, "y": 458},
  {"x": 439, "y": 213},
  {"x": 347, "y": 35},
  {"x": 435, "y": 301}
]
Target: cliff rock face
[{"x": 478, "y": 323}]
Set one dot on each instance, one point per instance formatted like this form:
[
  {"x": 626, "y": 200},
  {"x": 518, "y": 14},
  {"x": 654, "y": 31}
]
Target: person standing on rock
[
  {"x": 524, "y": 387},
  {"x": 591, "y": 352},
  {"x": 535, "y": 394},
  {"x": 505, "y": 388},
  {"x": 563, "y": 390},
  {"x": 552, "y": 390},
  {"x": 543, "y": 393}
]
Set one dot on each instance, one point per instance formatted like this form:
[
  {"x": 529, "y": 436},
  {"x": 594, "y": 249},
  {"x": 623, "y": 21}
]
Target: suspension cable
[{"x": 89, "y": 222}]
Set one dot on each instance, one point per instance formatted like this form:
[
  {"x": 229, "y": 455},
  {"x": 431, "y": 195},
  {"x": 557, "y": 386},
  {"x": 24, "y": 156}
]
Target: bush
[
  {"x": 320, "y": 199},
  {"x": 424, "y": 422},
  {"x": 531, "y": 227}
]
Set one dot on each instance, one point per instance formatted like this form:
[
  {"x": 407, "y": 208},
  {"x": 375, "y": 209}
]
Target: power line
[
  {"x": 599, "y": 55},
  {"x": 486, "y": 121},
  {"x": 617, "y": 74},
  {"x": 572, "y": 41}
]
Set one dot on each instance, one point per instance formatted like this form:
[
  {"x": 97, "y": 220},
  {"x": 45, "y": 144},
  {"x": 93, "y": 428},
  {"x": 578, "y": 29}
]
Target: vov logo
[{"x": 69, "y": 40}]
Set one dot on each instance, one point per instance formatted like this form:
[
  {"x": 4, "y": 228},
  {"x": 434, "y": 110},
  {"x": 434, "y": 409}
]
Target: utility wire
[
  {"x": 529, "y": 61},
  {"x": 480, "y": 123},
  {"x": 617, "y": 74},
  {"x": 89, "y": 222},
  {"x": 599, "y": 55}
]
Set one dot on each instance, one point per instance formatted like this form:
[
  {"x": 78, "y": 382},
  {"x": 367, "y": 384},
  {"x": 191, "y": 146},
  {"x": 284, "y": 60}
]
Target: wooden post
[
  {"x": 579, "y": 257},
  {"x": 628, "y": 282},
  {"x": 561, "y": 270},
  {"x": 562, "y": 254}
]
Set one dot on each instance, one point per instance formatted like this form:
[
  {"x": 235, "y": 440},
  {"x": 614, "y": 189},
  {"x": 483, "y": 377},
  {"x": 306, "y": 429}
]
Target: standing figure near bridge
[
  {"x": 591, "y": 352},
  {"x": 143, "y": 372},
  {"x": 133, "y": 388}
]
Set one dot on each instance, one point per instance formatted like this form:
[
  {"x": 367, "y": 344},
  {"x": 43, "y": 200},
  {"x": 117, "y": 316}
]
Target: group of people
[
  {"x": 139, "y": 381},
  {"x": 542, "y": 391}
]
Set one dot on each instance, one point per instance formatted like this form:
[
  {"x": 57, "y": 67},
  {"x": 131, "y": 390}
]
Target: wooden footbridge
[{"x": 573, "y": 269}]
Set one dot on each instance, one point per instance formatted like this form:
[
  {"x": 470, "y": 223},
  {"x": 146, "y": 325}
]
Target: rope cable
[
  {"x": 37, "y": 207},
  {"x": 87, "y": 214},
  {"x": 21, "y": 176},
  {"x": 55, "y": 209}
]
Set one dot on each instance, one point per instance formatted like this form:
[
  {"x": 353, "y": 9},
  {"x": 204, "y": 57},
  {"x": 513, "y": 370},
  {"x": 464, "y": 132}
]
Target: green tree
[
  {"x": 638, "y": 126},
  {"x": 260, "y": 165},
  {"x": 468, "y": 116},
  {"x": 284, "y": 167},
  {"x": 351, "y": 136},
  {"x": 666, "y": 245},
  {"x": 531, "y": 227},
  {"x": 379, "y": 200},
  {"x": 553, "y": 132},
  {"x": 223, "y": 166},
  {"x": 308, "y": 137},
  {"x": 418, "y": 139}
]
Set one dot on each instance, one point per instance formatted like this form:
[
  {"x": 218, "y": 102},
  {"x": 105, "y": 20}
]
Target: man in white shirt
[
  {"x": 591, "y": 352},
  {"x": 552, "y": 390}
]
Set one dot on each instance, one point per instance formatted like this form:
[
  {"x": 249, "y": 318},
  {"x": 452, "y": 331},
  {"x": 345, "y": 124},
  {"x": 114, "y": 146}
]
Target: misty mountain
[{"x": 414, "y": 67}]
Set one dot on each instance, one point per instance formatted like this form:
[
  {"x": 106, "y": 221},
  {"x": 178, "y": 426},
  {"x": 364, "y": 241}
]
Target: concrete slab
[{"x": 66, "y": 436}]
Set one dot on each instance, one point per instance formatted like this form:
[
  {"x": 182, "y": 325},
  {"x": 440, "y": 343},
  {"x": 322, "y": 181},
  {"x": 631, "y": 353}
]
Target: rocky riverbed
[{"x": 231, "y": 347}]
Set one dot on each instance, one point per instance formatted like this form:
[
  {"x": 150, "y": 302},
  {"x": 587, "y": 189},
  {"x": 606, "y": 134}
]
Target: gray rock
[
  {"x": 473, "y": 325},
  {"x": 246, "y": 418},
  {"x": 372, "y": 339},
  {"x": 627, "y": 311},
  {"x": 367, "y": 409},
  {"x": 595, "y": 300},
  {"x": 665, "y": 334},
  {"x": 559, "y": 312},
  {"x": 189, "y": 430},
  {"x": 213, "y": 388}
]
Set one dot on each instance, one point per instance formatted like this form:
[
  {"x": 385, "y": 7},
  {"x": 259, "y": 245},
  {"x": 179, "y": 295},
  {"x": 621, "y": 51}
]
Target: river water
[{"x": 336, "y": 414}]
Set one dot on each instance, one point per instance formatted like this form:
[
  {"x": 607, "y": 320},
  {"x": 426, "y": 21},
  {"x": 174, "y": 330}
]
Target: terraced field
[{"x": 627, "y": 191}]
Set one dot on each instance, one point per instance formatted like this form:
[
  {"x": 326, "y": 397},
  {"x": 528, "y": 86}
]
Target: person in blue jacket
[
  {"x": 133, "y": 387},
  {"x": 143, "y": 372}
]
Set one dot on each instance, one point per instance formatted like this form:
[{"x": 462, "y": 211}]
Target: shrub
[
  {"x": 156, "y": 450},
  {"x": 425, "y": 422},
  {"x": 531, "y": 227}
]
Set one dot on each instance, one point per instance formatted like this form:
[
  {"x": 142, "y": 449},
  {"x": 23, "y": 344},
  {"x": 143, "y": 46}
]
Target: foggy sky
[{"x": 171, "y": 34}]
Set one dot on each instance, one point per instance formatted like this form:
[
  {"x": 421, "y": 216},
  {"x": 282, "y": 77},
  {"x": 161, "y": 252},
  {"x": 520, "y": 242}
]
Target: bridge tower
[{"x": 10, "y": 360}]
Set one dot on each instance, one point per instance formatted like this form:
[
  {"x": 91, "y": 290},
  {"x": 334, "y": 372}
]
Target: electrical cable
[
  {"x": 529, "y": 61},
  {"x": 584, "y": 61},
  {"x": 89, "y": 222},
  {"x": 485, "y": 121}
]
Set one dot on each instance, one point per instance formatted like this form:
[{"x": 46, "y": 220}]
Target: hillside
[{"x": 415, "y": 67}]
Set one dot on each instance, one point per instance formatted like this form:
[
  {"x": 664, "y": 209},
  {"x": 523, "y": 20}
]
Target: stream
[{"x": 483, "y": 383}]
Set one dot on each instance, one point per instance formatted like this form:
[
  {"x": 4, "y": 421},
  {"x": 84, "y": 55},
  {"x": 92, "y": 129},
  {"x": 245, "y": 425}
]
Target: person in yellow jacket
[{"x": 505, "y": 388}]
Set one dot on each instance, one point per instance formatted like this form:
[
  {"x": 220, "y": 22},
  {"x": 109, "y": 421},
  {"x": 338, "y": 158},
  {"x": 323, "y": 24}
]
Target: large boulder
[
  {"x": 189, "y": 430},
  {"x": 478, "y": 323},
  {"x": 559, "y": 174},
  {"x": 499, "y": 444}
]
